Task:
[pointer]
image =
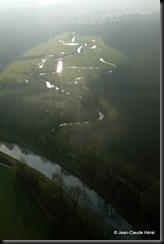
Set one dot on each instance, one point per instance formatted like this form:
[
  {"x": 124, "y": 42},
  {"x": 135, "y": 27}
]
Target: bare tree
[
  {"x": 57, "y": 178},
  {"x": 76, "y": 192},
  {"x": 79, "y": 194},
  {"x": 103, "y": 207}
]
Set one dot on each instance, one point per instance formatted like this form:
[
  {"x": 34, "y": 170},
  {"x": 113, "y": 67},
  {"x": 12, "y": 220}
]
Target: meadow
[
  {"x": 16, "y": 221},
  {"x": 91, "y": 110},
  {"x": 69, "y": 99},
  {"x": 60, "y": 47},
  {"x": 34, "y": 210}
]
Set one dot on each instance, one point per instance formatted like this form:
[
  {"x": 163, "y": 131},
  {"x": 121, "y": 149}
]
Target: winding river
[
  {"x": 106, "y": 216},
  {"x": 59, "y": 69}
]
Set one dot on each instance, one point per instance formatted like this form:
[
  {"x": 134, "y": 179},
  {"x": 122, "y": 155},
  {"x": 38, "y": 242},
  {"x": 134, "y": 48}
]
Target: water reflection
[
  {"x": 101, "y": 115},
  {"x": 73, "y": 39},
  {"x": 41, "y": 65},
  {"x": 59, "y": 66},
  {"x": 100, "y": 210},
  {"x": 79, "y": 49},
  {"x": 49, "y": 85},
  {"x": 71, "y": 44},
  {"x": 105, "y": 62},
  {"x": 93, "y": 47},
  {"x": 81, "y": 67}
]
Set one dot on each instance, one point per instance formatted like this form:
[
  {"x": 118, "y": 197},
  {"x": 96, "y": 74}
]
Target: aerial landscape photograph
[{"x": 80, "y": 120}]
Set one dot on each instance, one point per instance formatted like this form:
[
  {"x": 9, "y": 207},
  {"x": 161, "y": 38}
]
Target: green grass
[
  {"x": 123, "y": 125},
  {"x": 136, "y": 132},
  {"x": 52, "y": 47},
  {"x": 20, "y": 216},
  {"x": 129, "y": 129},
  {"x": 20, "y": 70},
  {"x": 71, "y": 81}
]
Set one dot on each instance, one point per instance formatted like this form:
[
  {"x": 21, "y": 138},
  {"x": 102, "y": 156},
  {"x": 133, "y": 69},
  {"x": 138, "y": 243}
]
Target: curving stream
[
  {"x": 59, "y": 69},
  {"x": 106, "y": 216}
]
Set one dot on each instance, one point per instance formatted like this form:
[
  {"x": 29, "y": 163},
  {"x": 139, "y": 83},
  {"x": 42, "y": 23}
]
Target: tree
[
  {"x": 57, "y": 178},
  {"x": 76, "y": 192},
  {"x": 79, "y": 194},
  {"x": 103, "y": 207}
]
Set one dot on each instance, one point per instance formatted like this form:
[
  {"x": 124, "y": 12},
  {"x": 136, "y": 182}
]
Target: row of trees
[
  {"x": 90, "y": 144},
  {"x": 62, "y": 209},
  {"x": 78, "y": 195},
  {"x": 127, "y": 184}
]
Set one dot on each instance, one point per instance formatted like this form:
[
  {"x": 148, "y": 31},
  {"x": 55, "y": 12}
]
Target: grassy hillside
[
  {"x": 34, "y": 107},
  {"x": 32, "y": 208},
  {"x": 20, "y": 216},
  {"x": 60, "y": 47},
  {"x": 101, "y": 112},
  {"x": 99, "y": 78}
]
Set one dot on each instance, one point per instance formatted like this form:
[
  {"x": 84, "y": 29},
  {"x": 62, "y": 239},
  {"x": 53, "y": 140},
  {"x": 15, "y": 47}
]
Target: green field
[
  {"x": 78, "y": 92},
  {"x": 110, "y": 149},
  {"x": 31, "y": 208},
  {"x": 26, "y": 80},
  {"x": 71, "y": 83},
  {"x": 76, "y": 95},
  {"x": 20, "y": 216},
  {"x": 60, "y": 47}
]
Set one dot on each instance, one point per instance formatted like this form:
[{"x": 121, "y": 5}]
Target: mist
[
  {"x": 131, "y": 5},
  {"x": 80, "y": 111}
]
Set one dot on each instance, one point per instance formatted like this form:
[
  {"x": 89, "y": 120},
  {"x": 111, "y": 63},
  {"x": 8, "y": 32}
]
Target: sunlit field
[
  {"x": 53, "y": 81},
  {"x": 93, "y": 57},
  {"x": 82, "y": 58},
  {"x": 80, "y": 131}
]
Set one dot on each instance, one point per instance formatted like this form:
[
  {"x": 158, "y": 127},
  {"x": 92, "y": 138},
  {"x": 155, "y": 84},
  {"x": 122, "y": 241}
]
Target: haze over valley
[{"x": 80, "y": 120}]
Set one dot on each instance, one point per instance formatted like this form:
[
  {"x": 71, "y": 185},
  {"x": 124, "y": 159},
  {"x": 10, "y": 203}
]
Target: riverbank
[
  {"x": 71, "y": 165},
  {"x": 7, "y": 160},
  {"x": 20, "y": 216},
  {"x": 58, "y": 212}
]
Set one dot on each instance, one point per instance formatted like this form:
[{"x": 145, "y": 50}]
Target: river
[
  {"x": 106, "y": 216},
  {"x": 59, "y": 69}
]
